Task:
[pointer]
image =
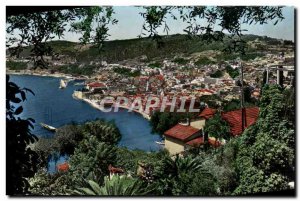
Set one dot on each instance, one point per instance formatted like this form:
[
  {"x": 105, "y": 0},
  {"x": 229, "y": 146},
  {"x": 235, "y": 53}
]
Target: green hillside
[{"x": 119, "y": 50}]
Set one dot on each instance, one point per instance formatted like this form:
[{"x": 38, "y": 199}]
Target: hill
[{"x": 118, "y": 50}]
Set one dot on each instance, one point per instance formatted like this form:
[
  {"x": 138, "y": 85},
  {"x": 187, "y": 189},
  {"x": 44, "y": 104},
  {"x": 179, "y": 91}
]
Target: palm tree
[
  {"x": 115, "y": 186},
  {"x": 169, "y": 174}
]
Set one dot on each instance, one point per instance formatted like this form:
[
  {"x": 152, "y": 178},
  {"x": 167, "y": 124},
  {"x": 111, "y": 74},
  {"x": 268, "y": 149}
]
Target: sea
[{"x": 57, "y": 107}]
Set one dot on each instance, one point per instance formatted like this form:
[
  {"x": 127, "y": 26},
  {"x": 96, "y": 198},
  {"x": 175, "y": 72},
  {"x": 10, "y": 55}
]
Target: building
[
  {"x": 184, "y": 136},
  {"x": 177, "y": 137},
  {"x": 203, "y": 116},
  {"x": 234, "y": 119},
  {"x": 197, "y": 142},
  {"x": 114, "y": 171},
  {"x": 96, "y": 86}
]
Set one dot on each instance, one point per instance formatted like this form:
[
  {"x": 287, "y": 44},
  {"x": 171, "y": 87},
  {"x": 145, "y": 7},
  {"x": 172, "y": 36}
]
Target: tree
[
  {"x": 203, "y": 184},
  {"x": 38, "y": 28},
  {"x": 217, "y": 74},
  {"x": 217, "y": 127},
  {"x": 104, "y": 131},
  {"x": 67, "y": 138},
  {"x": 229, "y": 21},
  {"x": 21, "y": 161},
  {"x": 162, "y": 121},
  {"x": 91, "y": 160},
  {"x": 232, "y": 72},
  {"x": 265, "y": 159},
  {"x": 171, "y": 176},
  {"x": 102, "y": 17},
  {"x": 45, "y": 184}
]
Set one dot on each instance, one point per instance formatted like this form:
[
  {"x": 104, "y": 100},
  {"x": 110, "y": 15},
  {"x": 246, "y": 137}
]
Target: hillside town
[
  {"x": 183, "y": 101},
  {"x": 169, "y": 78}
]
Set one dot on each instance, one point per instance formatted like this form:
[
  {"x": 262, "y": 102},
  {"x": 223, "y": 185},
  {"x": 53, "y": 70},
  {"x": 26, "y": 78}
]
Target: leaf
[
  {"x": 87, "y": 191},
  {"x": 29, "y": 90},
  {"x": 96, "y": 188},
  {"x": 16, "y": 100},
  {"x": 19, "y": 110},
  {"x": 30, "y": 119},
  {"x": 23, "y": 95}
]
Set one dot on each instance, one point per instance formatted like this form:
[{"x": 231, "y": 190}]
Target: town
[
  {"x": 98, "y": 104},
  {"x": 197, "y": 77}
]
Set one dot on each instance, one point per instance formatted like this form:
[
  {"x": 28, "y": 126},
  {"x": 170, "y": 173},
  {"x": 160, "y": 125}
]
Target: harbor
[{"x": 50, "y": 102}]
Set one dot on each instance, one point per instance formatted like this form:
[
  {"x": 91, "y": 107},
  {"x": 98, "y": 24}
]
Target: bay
[{"x": 57, "y": 107}]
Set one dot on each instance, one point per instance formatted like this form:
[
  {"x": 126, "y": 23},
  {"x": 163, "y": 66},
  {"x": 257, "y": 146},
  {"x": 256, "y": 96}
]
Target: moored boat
[
  {"x": 48, "y": 127},
  {"x": 63, "y": 84},
  {"x": 160, "y": 143},
  {"x": 79, "y": 84}
]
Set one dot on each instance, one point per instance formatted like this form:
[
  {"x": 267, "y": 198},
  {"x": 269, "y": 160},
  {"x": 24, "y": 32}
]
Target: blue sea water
[{"x": 56, "y": 107}]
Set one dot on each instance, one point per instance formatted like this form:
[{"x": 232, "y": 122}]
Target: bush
[
  {"x": 232, "y": 72},
  {"x": 181, "y": 61},
  {"x": 155, "y": 65},
  {"x": 204, "y": 61},
  {"x": 217, "y": 74},
  {"x": 15, "y": 65},
  {"x": 127, "y": 72},
  {"x": 74, "y": 69}
]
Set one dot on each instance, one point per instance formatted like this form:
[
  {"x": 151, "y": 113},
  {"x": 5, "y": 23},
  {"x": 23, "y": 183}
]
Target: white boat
[
  {"x": 63, "y": 84},
  {"x": 50, "y": 128},
  {"x": 79, "y": 84},
  {"x": 160, "y": 143}
]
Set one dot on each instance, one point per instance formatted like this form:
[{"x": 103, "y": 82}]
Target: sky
[{"x": 130, "y": 24}]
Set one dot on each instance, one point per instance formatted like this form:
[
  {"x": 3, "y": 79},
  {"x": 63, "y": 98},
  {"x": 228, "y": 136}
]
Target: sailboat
[{"x": 63, "y": 84}]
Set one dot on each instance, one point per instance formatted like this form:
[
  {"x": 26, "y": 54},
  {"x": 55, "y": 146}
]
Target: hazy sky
[{"x": 130, "y": 25}]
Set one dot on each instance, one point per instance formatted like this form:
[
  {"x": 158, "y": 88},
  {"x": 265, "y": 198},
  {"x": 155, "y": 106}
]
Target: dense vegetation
[
  {"x": 261, "y": 160},
  {"x": 119, "y": 50},
  {"x": 232, "y": 72},
  {"x": 155, "y": 65},
  {"x": 266, "y": 158},
  {"x": 204, "y": 61},
  {"x": 14, "y": 65},
  {"x": 180, "y": 61},
  {"x": 75, "y": 69},
  {"x": 217, "y": 74},
  {"x": 162, "y": 121},
  {"x": 127, "y": 72}
]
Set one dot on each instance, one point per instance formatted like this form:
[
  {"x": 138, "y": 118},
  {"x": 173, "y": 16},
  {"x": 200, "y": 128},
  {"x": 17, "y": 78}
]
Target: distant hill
[{"x": 119, "y": 50}]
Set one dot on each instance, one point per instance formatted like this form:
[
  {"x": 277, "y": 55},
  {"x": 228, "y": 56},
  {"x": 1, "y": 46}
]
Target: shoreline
[
  {"x": 42, "y": 74},
  {"x": 96, "y": 106},
  {"x": 60, "y": 75}
]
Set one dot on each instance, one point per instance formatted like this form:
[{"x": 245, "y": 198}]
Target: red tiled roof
[
  {"x": 206, "y": 90},
  {"x": 160, "y": 77},
  {"x": 63, "y": 167},
  {"x": 181, "y": 132},
  {"x": 234, "y": 119},
  {"x": 96, "y": 84},
  {"x": 115, "y": 170},
  {"x": 207, "y": 113},
  {"x": 200, "y": 141}
]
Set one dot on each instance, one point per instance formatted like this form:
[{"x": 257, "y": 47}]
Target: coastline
[
  {"x": 42, "y": 74},
  {"x": 61, "y": 75},
  {"x": 96, "y": 106}
]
